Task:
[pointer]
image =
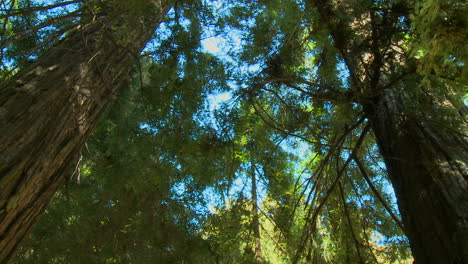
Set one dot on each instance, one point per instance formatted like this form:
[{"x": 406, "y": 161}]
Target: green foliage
[
  {"x": 441, "y": 27},
  {"x": 164, "y": 179},
  {"x": 28, "y": 29}
]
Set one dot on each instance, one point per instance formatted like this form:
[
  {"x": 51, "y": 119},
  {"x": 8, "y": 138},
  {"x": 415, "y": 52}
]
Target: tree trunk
[
  {"x": 255, "y": 218},
  {"x": 48, "y": 110},
  {"x": 427, "y": 163}
]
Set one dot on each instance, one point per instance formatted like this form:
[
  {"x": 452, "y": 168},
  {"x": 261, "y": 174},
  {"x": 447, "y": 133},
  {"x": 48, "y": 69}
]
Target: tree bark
[
  {"x": 427, "y": 161},
  {"x": 48, "y": 110}
]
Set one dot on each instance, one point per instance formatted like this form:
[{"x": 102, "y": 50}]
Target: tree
[
  {"x": 404, "y": 76},
  {"x": 332, "y": 103},
  {"x": 50, "y": 107},
  {"x": 255, "y": 213},
  {"x": 426, "y": 159}
]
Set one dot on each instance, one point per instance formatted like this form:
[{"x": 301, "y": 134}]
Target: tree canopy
[{"x": 280, "y": 131}]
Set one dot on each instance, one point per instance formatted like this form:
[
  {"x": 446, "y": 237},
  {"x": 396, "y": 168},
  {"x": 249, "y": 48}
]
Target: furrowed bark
[
  {"x": 48, "y": 110},
  {"x": 427, "y": 164}
]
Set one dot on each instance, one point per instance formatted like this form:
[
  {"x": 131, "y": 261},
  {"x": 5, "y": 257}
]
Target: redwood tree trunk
[
  {"x": 48, "y": 110},
  {"x": 426, "y": 159}
]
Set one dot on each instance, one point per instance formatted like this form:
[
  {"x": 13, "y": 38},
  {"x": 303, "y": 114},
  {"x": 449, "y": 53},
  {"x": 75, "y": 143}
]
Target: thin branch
[
  {"x": 4, "y": 29},
  {"x": 376, "y": 192},
  {"x": 273, "y": 222},
  {"x": 49, "y": 40},
  {"x": 364, "y": 223},
  {"x": 356, "y": 242},
  {"x": 296, "y": 187},
  {"x": 277, "y": 243},
  {"x": 292, "y": 110},
  {"x": 313, "y": 219},
  {"x": 47, "y": 23},
  {"x": 25, "y": 11},
  {"x": 327, "y": 93},
  {"x": 276, "y": 125},
  {"x": 336, "y": 143},
  {"x": 369, "y": 244}
]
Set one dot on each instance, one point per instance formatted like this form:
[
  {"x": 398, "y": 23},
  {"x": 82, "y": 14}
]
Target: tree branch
[
  {"x": 313, "y": 219},
  {"x": 25, "y": 11},
  {"x": 376, "y": 192},
  {"x": 326, "y": 92},
  {"x": 356, "y": 242}
]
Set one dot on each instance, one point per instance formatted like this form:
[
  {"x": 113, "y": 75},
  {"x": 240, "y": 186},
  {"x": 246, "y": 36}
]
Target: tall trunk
[
  {"x": 427, "y": 164},
  {"x": 255, "y": 218},
  {"x": 48, "y": 110},
  {"x": 426, "y": 159}
]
